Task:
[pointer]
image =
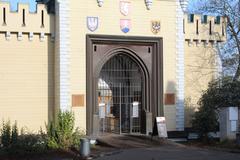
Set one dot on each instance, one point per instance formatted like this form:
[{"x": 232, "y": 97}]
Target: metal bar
[
  {"x": 131, "y": 118},
  {"x": 120, "y": 110},
  {"x": 120, "y": 86}
]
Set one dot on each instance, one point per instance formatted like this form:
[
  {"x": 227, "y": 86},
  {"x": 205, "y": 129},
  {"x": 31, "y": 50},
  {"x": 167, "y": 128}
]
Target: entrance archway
[
  {"x": 146, "y": 55},
  {"x": 120, "y": 95}
]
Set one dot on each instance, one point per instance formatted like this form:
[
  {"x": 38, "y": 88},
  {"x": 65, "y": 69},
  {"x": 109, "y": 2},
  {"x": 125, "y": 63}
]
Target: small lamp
[
  {"x": 148, "y": 4},
  {"x": 100, "y": 3}
]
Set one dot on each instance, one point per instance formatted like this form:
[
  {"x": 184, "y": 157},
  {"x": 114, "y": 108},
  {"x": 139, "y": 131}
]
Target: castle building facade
[{"x": 117, "y": 65}]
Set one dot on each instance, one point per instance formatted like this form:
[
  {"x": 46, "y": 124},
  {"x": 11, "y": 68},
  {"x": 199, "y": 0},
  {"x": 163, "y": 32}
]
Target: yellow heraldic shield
[{"x": 156, "y": 27}]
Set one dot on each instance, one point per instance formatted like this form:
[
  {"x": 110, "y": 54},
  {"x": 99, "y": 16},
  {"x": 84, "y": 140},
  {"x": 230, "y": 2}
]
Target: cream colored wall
[
  {"x": 201, "y": 64},
  {"x": 109, "y": 17},
  {"x": 26, "y": 69},
  {"x": 200, "y": 69},
  {"x": 26, "y": 81},
  {"x": 191, "y": 28}
]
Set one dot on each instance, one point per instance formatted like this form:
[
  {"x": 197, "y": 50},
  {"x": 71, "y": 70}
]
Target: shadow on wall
[
  {"x": 190, "y": 109},
  {"x": 174, "y": 107},
  {"x": 171, "y": 87},
  {"x": 171, "y": 110},
  {"x": 52, "y": 110},
  {"x": 200, "y": 69}
]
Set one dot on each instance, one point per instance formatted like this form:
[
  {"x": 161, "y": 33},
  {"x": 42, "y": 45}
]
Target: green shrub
[
  {"x": 14, "y": 144},
  {"x": 28, "y": 144},
  {"x": 14, "y": 136},
  {"x": 9, "y": 134},
  {"x": 220, "y": 93},
  {"x": 6, "y": 134},
  {"x": 76, "y": 136},
  {"x": 61, "y": 134},
  {"x": 205, "y": 120},
  {"x": 33, "y": 143}
]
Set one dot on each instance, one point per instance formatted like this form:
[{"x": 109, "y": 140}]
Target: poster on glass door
[
  {"x": 102, "y": 110},
  {"x": 135, "y": 109}
]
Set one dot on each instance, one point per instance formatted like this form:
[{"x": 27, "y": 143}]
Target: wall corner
[
  {"x": 179, "y": 68},
  {"x": 62, "y": 56}
]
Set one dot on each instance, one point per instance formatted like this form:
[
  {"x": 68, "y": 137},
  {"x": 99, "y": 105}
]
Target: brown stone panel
[
  {"x": 77, "y": 100},
  {"x": 170, "y": 99}
]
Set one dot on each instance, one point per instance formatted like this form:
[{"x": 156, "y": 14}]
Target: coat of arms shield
[
  {"x": 92, "y": 23},
  {"x": 125, "y": 7},
  {"x": 125, "y": 25},
  {"x": 156, "y": 26}
]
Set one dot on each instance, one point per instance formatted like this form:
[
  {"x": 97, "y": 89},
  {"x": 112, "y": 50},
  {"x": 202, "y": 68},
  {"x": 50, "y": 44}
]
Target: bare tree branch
[{"x": 230, "y": 52}]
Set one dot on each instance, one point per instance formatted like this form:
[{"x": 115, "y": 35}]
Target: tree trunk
[
  {"x": 237, "y": 74},
  {"x": 237, "y": 40}
]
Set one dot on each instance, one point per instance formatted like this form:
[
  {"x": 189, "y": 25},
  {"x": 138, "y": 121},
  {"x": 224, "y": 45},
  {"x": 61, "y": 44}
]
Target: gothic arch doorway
[
  {"x": 120, "y": 91},
  {"x": 124, "y": 91}
]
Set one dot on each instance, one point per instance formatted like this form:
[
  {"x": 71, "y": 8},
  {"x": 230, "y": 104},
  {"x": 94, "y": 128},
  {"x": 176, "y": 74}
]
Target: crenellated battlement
[
  {"x": 203, "y": 28},
  {"x": 23, "y": 21}
]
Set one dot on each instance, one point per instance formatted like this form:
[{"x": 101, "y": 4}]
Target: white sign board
[
  {"x": 102, "y": 110},
  {"x": 233, "y": 113},
  {"x": 135, "y": 110},
  {"x": 162, "y": 127},
  {"x": 108, "y": 108},
  {"x": 233, "y": 126}
]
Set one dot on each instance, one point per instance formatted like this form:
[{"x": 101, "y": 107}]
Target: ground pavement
[{"x": 130, "y": 148}]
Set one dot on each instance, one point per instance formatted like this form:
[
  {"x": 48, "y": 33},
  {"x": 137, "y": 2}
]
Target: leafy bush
[
  {"x": 220, "y": 93},
  {"x": 28, "y": 144},
  {"x": 9, "y": 134},
  {"x": 61, "y": 134},
  {"x": 76, "y": 136},
  {"x": 205, "y": 120},
  {"x": 14, "y": 136},
  {"x": 5, "y": 134},
  {"x": 14, "y": 144}
]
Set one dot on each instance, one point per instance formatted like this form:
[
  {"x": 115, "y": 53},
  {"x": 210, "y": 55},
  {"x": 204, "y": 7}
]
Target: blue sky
[{"x": 32, "y": 4}]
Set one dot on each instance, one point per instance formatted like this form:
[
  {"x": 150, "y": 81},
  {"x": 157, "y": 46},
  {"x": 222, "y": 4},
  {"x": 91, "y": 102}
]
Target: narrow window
[
  {"x": 23, "y": 16},
  {"x": 210, "y": 27},
  {"x": 191, "y": 18},
  {"x": 223, "y": 29},
  {"x": 4, "y": 16},
  {"x": 149, "y": 50},
  {"x": 42, "y": 19},
  {"x": 217, "y": 20},
  {"x": 197, "y": 32},
  {"x": 204, "y": 19}
]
